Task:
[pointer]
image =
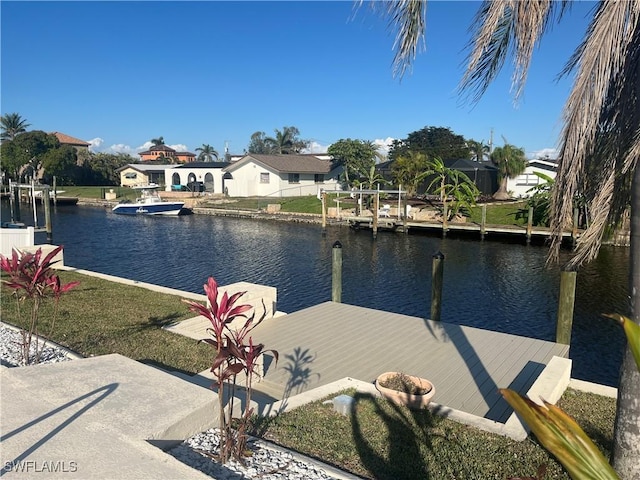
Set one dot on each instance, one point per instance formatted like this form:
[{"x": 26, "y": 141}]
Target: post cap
[
  {"x": 439, "y": 255},
  {"x": 337, "y": 244}
]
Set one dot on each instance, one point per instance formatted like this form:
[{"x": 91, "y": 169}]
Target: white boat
[{"x": 148, "y": 203}]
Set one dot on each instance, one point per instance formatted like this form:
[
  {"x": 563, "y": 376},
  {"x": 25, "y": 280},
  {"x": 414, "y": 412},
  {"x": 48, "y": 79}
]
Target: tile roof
[
  {"x": 69, "y": 140},
  {"x": 288, "y": 163},
  {"x": 143, "y": 167},
  {"x": 203, "y": 165}
]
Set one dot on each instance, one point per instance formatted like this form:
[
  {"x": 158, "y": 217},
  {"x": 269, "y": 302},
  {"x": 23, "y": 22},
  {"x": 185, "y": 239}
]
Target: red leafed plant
[
  {"x": 235, "y": 354},
  {"x": 33, "y": 281}
]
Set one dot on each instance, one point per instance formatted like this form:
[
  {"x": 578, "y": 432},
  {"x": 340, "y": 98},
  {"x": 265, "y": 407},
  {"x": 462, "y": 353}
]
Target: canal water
[{"x": 493, "y": 285}]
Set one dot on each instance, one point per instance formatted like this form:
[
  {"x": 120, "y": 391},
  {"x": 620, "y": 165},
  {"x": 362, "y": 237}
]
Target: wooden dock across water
[
  {"x": 395, "y": 224},
  {"x": 330, "y": 341}
]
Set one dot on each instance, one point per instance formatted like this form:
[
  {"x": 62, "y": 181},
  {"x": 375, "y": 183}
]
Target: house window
[
  {"x": 130, "y": 176},
  {"x": 528, "y": 180},
  {"x": 318, "y": 178},
  {"x": 294, "y": 178},
  {"x": 264, "y": 177}
]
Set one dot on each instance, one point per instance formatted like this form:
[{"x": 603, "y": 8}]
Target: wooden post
[
  {"x": 405, "y": 214},
  {"x": 47, "y": 212},
  {"x": 323, "y": 198},
  {"x": 436, "y": 286},
  {"x": 566, "y": 300},
  {"x": 336, "y": 273},
  {"x": 529, "y": 224},
  {"x": 445, "y": 214},
  {"x": 376, "y": 207},
  {"x": 15, "y": 202},
  {"x": 483, "y": 222},
  {"x": 55, "y": 191}
]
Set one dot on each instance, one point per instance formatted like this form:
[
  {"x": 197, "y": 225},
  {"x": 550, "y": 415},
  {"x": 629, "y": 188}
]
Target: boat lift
[{"x": 15, "y": 194}]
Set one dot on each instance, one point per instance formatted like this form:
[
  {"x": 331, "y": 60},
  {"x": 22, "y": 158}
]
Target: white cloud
[
  {"x": 95, "y": 143},
  {"x": 551, "y": 153},
  {"x": 120, "y": 148},
  {"x": 179, "y": 147},
  {"x": 315, "y": 147},
  {"x": 384, "y": 145}
]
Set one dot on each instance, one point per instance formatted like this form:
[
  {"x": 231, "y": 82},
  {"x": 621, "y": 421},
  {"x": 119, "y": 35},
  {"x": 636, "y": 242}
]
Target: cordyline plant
[
  {"x": 561, "y": 435},
  {"x": 235, "y": 354},
  {"x": 33, "y": 282}
]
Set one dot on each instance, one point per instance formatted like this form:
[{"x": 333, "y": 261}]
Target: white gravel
[
  {"x": 266, "y": 462},
  {"x": 11, "y": 349}
]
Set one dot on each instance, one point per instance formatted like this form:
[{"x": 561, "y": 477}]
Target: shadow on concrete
[{"x": 103, "y": 393}]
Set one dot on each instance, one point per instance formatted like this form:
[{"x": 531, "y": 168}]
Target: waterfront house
[
  {"x": 164, "y": 152},
  {"x": 193, "y": 176},
  {"x": 520, "y": 187},
  {"x": 142, "y": 174},
  {"x": 280, "y": 176}
]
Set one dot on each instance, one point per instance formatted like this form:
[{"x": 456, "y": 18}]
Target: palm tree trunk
[
  {"x": 626, "y": 437},
  {"x": 502, "y": 193}
]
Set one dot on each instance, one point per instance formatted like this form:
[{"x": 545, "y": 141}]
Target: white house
[
  {"x": 210, "y": 174},
  {"x": 521, "y": 185},
  {"x": 142, "y": 174},
  {"x": 280, "y": 176}
]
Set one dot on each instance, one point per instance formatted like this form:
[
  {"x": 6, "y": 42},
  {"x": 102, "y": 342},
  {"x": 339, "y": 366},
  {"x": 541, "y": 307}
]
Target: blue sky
[{"x": 118, "y": 74}]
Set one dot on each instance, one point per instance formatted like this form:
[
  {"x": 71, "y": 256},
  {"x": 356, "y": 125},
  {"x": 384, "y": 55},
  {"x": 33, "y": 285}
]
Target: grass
[
  {"x": 100, "y": 317},
  {"x": 383, "y": 441},
  {"x": 500, "y": 214},
  {"x": 378, "y": 441}
]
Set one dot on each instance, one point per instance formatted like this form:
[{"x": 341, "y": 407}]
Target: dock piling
[
  {"x": 566, "y": 300},
  {"x": 47, "y": 212},
  {"x": 483, "y": 223},
  {"x": 436, "y": 285},
  {"x": 336, "y": 273},
  {"x": 529, "y": 224}
]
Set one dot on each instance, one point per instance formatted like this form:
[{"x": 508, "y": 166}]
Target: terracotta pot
[{"x": 414, "y": 402}]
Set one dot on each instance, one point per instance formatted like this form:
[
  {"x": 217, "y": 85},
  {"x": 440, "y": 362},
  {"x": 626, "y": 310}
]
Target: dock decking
[
  {"x": 390, "y": 223},
  {"x": 330, "y": 341}
]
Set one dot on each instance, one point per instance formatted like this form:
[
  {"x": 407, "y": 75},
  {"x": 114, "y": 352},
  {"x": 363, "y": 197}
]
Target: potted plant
[{"x": 405, "y": 390}]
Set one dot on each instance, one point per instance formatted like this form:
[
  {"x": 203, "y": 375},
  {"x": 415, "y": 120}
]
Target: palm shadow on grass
[{"x": 406, "y": 431}]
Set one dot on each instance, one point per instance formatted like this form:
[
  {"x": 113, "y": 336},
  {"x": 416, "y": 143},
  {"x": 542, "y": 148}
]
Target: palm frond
[
  {"x": 601, "y": 121},
  {"x": 505, "y": 27},
  {"x": 407, "y": 18}
]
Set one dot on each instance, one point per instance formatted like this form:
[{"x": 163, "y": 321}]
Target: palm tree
[
  {"x": 12, "y": 124},
  {"x": 511, "y": 162},
  {"x": 450, "y": 184},
  {"x": 286, "y": 141},
  {"x": 157, "y": 141},
  {"x": 207, "y": 153},
  {"x": 599, "y": 144},
  {"x": 478, "y": 150}
]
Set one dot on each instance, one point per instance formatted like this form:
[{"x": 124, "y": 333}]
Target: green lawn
[{"x": 500, "y": 214}]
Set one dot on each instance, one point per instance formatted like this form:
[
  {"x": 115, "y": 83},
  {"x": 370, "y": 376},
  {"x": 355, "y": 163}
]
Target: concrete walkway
[{"x": 98, "y": 418}]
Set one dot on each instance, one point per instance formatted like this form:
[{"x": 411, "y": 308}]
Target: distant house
[
  {"x": 483, "y": 174},
  {"x": 163, "y": 152},
  {"x": 520, "y": 187},
  {"x": 142, "y": 174},
  {"x": 209, "y": 174},
  {"x": 64, "y": 139},
  {"x": 280, "y": 176}
]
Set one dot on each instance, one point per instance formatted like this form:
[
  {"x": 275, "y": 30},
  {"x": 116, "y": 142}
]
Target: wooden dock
[
  {"x": 330, "y": 341},
  {"x": 399, "y": 225}
]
